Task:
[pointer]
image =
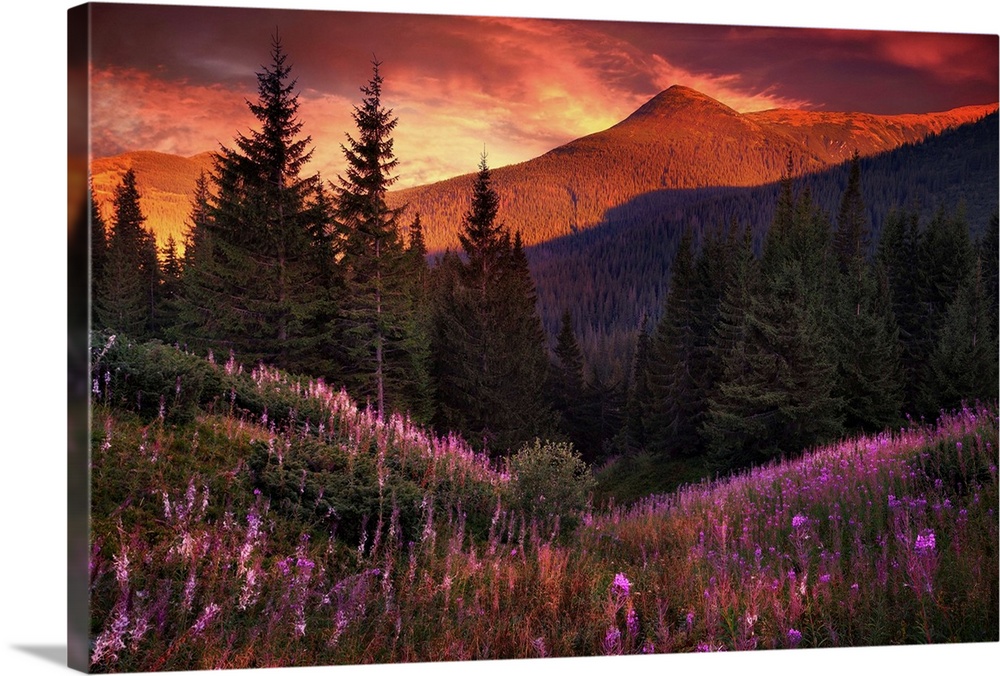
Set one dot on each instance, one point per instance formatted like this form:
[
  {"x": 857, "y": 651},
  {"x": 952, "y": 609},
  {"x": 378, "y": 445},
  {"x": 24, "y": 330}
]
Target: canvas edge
[{"x": 78, "y": 319}]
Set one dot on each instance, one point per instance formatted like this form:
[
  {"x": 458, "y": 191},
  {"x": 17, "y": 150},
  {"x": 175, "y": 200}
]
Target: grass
[
  {"x": 217, "y": 544},
  {"x": 627, "y": 479}
]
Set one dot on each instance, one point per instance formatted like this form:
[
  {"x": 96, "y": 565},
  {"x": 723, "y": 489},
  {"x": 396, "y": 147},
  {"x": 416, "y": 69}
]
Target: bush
[
  {"x": 550, "y": 479},
  {"x": 150, "y": 378}
]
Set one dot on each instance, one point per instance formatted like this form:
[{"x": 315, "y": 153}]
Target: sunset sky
[{"x": 175, "y": 79}]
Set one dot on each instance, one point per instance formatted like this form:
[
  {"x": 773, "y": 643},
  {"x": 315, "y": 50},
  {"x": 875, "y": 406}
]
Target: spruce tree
[
  {"x": 989, "y": 260},
  {"x": 170, "y": 288},
  {"x": 386, "y": 347},
  {"x": 130, "y": 275},
  {"x": 777, "y": 392},
  {"x": 98, "y": 254},
  {"x": 853, "y": 229},
  {"x": 255, "y": 285},
  {"x": 566, "y": 384},
  {"x": 962, "y": 367},
  {"x": 194, "y": 321},
  {"x": 633, "y": 433},
  {"x": 945, "y": 264},
  {"x": 868, "y": 350},
  {"x": 490, "y": 354},
  {"x": 869, "y": 366},
  {"x": 898, "y": 249},
  {"x": 672, "y": 416}
]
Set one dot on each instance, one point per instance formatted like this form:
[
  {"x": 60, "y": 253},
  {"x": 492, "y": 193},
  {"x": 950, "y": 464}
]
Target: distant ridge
[
  {"x": 679, "y": 139},
  {"x": 165, "y": 182}
]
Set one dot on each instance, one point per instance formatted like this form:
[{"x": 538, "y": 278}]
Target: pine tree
[
  {"x": 387, "y": 349},
  {"x": 489, "y": 350},
  {"x": 672, "y": 417},
  {"x": 126, "y": 296},
  {"x": 962, "y": 368},
  {"x": 602, "y": 415},
  {"x": 566, "y": 383},
  {"x": 98, "y": 254},
  {"x": 194, "y": 320},
  {"x": 255, "y": 284},
  {"x": 868, "y": 351},
  {"x": 945, "y": 264},
  {"x": 869, "y": 366},
  {"x": 633, "y": 434},
  {"x": 170, "y": 288},
  {"x": 898, "y": 248},
  {"x": 776, "y": 395},
  {"x": 853, "y": 229},
  {"x": 989, "y": 257}
]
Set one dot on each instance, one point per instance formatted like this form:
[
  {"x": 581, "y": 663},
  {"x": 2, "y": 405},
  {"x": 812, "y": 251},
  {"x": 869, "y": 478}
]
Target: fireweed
[{"x": 890, "y": 538}]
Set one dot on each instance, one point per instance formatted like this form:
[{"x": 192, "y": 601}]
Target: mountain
[
  {"x": 617, "y": 272},
  {"x": 679, "y": 139},
  {"x": 165, "y": 182}
]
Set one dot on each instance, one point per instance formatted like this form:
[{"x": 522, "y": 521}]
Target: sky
[{"x": 176, "y": 79}]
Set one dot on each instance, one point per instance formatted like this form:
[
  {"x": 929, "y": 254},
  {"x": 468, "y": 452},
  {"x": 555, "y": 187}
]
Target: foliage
[
  {"x": 384, "y": 342},
  {"x": 126, "y": 292},
  {"x": 885, "y": 539},
  {"x": 550, "y": 479},
  {"x": 259, "y": 280},
  {"x": 490, "y": 357},
  {"x": 612, "y": 275}
]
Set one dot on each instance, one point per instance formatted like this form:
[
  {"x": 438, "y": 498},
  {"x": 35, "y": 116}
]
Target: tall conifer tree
[
  {"x": 130, "y": 276},
  {"x": 386, "y": 347},
  {"x": 256, "y": 268},
  {"x": 869, "y": 368},
  {"x": 672, "y": 417},
  {"x": 490, "y": 353},
  {"x": 98, "y": 254},
  {"x": 853, "y": 229}
]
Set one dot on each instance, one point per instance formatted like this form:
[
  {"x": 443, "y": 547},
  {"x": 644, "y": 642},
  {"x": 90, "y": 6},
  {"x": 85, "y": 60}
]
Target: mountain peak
[{"x": 679, "y": 99}]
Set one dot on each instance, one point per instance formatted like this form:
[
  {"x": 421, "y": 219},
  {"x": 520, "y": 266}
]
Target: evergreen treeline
[
  {"x": 822, "y": 334},
  {"x": 613, "y": 275},
  {"x": 770, "y": 337},
  {"x": 323, "y": 278}
]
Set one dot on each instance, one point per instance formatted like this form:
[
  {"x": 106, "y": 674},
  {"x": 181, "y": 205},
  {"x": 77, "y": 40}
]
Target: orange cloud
[{"x": 135, "y": 110}]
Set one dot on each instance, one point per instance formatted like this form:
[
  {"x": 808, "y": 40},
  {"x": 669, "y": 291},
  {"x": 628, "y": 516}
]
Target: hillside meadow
[{"x": 243, "y": 517}]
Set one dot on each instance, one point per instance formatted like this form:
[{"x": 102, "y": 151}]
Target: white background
[{"x": 33, "y": 367}]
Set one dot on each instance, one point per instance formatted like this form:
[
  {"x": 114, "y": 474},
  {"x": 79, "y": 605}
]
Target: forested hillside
[
  {"x": 166, "y": 182},
  {"x": 731, "y": 323},
  {"x": 613, "y": 275},
  {"x": 679, "y": 140}
]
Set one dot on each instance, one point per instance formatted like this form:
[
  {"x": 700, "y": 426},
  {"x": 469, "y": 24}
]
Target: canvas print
[{"x": 420, "y": 338}]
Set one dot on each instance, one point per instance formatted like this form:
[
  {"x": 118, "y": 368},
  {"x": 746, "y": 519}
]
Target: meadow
[{"x": 242, "y": 517}]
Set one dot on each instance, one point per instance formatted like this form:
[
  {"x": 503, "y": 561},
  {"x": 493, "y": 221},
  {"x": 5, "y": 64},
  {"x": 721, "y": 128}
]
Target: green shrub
[
  {"x": 550, "y": 479},
  {"x": 152, "y": 378}
]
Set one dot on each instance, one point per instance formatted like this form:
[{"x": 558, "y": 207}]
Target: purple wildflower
[
  {"x": 621, "y": 585},
  {"x": 925, "y": 542},
  {"x": 798, "y": 521},
  {"x": 794, "y": 637},
  {"x": 207, "y": 615},
  {"x": 612, "y": 641},
  {"x": 112, "y": 639},
  {"x": 632, "y": 622}
]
